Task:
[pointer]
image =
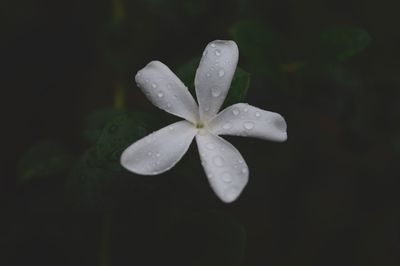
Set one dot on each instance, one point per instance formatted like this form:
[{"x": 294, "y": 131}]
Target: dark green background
[{"x": 327, "y": 196}]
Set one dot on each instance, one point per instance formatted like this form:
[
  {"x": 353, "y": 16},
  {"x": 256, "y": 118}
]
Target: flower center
[{"x": 200, "y": 125}]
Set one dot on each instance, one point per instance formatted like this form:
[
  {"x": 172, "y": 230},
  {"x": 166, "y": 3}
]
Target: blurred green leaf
[
  {"x": 95, "y": 181},
  {"x": 342, "y": 43},
  {"x": 208, "y": 238},
  {"x": 187, "y": 73},
  {"x": 95, "y": 121},
  {"x": 44, "y": 159},
  {"x": 94, "y": 185},
  {"x": 87, "y": 186},
  {"x": 118, "y": 134},
  {"x": 259, "y": 45},
  {"x": 239, "y": 86}
]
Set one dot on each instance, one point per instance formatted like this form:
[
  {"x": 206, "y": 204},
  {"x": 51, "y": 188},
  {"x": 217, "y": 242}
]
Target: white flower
[{"x": 225, "y": 167}]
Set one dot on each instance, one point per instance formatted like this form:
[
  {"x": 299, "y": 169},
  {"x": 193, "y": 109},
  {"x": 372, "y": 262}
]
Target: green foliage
[
  {"x": 239, "y": 86},
  {"x": 44, "y": 159},
  {"x": 187, "y": 73},
  {"x": 264, "y": 51},
  {"x": 208, "y": 238},
  {"x": 94, "y": 122},
  {"x": 88, "y": 184},
  {"x": 118, "y": 134},
  {"x": 91, "y": 183},
  {"x": 259, "y": 45},
  {"x": 331, "y": 188},
  {"x": 341, "y": 43}
]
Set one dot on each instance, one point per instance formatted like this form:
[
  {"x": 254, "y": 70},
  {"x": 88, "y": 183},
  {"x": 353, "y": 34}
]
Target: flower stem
[
  {"x": 119, "y": 96},
  {"x": 118, "y": 10},
  {"x": 105, "y": 245},
  {"x": 118, "y": 16}
]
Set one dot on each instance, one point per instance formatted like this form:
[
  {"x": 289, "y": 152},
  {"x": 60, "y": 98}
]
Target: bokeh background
[{"x": 327, "y": 196}]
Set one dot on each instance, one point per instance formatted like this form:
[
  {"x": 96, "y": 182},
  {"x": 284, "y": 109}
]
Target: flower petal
[
  {"x": 166, "y": 91},
  {"x": 245, "y": 120},
  {"x": 225, "y": 167},
  {"x": 214, "y": 76},
  {"x": 159, "y": 151}
]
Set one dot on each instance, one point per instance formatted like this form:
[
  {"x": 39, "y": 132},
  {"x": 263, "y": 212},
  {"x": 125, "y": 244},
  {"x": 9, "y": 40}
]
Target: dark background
[{"x": 327, "y": 196}]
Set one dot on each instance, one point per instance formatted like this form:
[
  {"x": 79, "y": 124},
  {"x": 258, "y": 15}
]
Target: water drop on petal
[
  {"x": 226, "y": 177},
  {"x": 227, "y": 126},
  {"x": 215, "y": 92},
  {"x": 218, "y": 52},
  {"x": 153, "y": 85},
  {"x": 221, "y": 73},
  {"x": 258, "y": 114},
  {"x": 218, "y": 161},
  {"x": 235, "y": 111},
  {"x": 248, "y": 125}
]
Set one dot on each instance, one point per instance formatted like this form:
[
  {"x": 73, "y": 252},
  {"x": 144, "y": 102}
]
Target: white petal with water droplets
[
  {"x": 225, "y": 167},
  {"x": 159, "y": 151},
  {"x": 166, "y": 91},
  {"x": 247, "y": 120},
  {"x": 214, "y": 76}
]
